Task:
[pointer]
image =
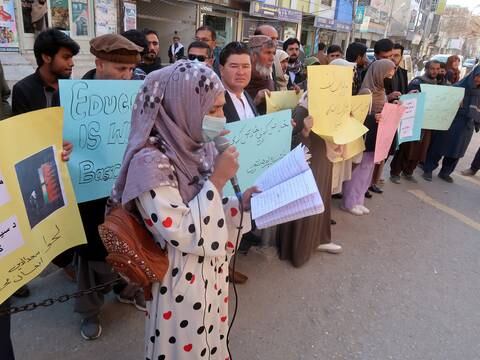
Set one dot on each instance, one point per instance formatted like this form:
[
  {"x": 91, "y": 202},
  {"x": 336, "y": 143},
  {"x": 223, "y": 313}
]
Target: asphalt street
[{"x": 406, "y": 287}]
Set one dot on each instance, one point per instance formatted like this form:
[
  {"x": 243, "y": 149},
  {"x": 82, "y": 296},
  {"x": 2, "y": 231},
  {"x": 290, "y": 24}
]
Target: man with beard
[
  {"x": 115, "y": 59},
  {"x": 262, "y": 53},
  {"x": 176, "y": 51},
  {"x": 295, "y": 69},
  {"x": 442, "y": 75},
  {"x": 401, "y": 163},
  {"x": 418, "y": 149},
  {"x": 151, "y": 59}
]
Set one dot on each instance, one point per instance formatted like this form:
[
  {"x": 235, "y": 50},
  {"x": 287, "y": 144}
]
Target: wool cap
[
  {"x": 257, "y": 41},
  {"x": 115, "y": 48}
]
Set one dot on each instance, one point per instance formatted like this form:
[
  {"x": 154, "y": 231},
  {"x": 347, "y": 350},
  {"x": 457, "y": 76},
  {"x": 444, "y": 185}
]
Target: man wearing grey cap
[
  {"x": 262, "y": 52},
  {"x": 116, "y": 59}
]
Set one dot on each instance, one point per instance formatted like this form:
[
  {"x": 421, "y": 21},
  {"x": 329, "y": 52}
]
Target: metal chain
[{"x": 61, "y": 299}]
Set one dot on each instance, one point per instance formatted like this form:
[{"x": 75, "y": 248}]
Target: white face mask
[{"x": 212, "y": 127}]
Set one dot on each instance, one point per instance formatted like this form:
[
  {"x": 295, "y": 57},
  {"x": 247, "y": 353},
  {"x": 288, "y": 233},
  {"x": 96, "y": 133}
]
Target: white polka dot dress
[{"x": 188, "y": 316}]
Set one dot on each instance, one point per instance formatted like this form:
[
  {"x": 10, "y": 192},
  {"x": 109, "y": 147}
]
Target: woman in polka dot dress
[{"x": 175, "y": 180}]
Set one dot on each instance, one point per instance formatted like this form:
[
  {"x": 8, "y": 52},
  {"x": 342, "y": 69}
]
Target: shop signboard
[
  {"x": 324, "y": 23},
  {"x": 274, "y": 12},
  {"x": 359, "y": 14},
  {"x": 8, "y": 26},
  {"x": 343, "y": 15}
]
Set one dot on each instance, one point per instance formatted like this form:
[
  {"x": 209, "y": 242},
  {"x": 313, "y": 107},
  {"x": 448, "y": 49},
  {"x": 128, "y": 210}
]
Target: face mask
[
  {"x": 387, "y": 82},
  {"x": 212, "y": 127}
]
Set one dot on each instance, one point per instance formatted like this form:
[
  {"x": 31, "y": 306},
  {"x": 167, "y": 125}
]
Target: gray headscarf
[
  {"x": 374, "y": 81},
  {"x": 166, "y": 147}
]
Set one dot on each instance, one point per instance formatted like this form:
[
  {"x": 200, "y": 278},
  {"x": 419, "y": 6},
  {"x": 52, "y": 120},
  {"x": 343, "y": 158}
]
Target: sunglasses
[{"x": 200, "y": 58}]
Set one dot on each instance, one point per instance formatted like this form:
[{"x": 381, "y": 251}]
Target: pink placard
[{"x": 387, "y": 128}]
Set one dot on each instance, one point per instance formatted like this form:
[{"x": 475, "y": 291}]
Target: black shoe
[
  {"x": 252, "y": 239},
  {"x": 333, "y": 222},
  {"x": 427, "y": 176},
  {"x": 375, "y": 189},
  {"x": 368, "y": 195},
  {"x": 337, "y": 196},
  {"x": 445, "y": 177}
]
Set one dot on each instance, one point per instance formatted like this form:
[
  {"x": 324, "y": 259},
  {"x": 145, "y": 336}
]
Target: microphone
[{"x": 222, "y": 143}]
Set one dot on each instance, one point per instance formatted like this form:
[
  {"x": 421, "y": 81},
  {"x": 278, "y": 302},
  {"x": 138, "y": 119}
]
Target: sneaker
[
  {"x": 469, "y": 172},
  {"x": 374, "y": 188},
  {"x": 395, "y": 179},
  {"x": 355, "y": 210},
  {"x": 365, "y": 210},
  {"x": 427, "y": 176},
  {"x": 137, "y": 300},
  {"x": 90, "y": 329},
  {"x": 446, "y": 178},
  {"x": 330, "y": 248},
  {"x": 410, "y": 177}
]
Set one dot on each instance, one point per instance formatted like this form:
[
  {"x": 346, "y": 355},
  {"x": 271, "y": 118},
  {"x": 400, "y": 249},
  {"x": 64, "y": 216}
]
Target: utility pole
[{"x": 354, "y": 13}]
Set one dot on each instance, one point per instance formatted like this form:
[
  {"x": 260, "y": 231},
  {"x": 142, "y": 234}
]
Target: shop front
[
  {"x": 288, "y": 22},
  {"x": 81, "y": 19}
]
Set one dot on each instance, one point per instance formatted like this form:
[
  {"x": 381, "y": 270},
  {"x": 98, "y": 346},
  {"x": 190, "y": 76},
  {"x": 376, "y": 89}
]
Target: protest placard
[
  {"x": 360, "y": 108},
  {"x": 39, "y": 217},
  {"x": 411, "y": 121},
  {"x": 441, "y": 105},
  {"x": 282, "y": 100},
  {"x": 391, "y": 114},
  {"x": 97, "y": 122},
  {"x": 261, "y": 142},
  {"x": 330, "y": 104}
]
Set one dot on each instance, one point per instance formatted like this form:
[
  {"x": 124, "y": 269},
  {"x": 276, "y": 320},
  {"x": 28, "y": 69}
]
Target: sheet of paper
[
  {"x": 97, "y": 122},
  {"x": 441, "y": 105},
  {"x": 41, "y": 220},
  {"x": 330, "y": 104},
  {"x": 386, "y": 130},
  {"x": 282, "y": 100},
  {"x": 261, "y": 142},
  {"x": 308, "y": 206},
  {"x": 412, "y": 119},
  {"x": 10, "y": 236},
  {"x": 292, "y": 164},
  {"x": 283, "y": 194},
  {"x": 4, "y": 197}
]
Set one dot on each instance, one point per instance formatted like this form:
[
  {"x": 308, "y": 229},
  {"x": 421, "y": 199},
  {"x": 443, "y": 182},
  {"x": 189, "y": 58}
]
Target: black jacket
[
  {"x": 230, "y": 111},
  {"x": 31, "y": 93},
  {"x": 400, "y": 81},
  {"x": 148, "y": 68}
]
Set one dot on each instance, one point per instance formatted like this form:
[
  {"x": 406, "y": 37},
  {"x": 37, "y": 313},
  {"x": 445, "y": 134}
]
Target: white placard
[{"x": 10, "y": 236}]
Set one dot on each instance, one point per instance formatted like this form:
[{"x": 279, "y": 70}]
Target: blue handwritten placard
[
  {"x": 261, "y": 142},
  {"x": 411, "y": 123},
  {"x": 97, "y": 115}
]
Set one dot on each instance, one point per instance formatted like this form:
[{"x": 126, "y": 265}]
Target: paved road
[{"x": 406, "y": 287}]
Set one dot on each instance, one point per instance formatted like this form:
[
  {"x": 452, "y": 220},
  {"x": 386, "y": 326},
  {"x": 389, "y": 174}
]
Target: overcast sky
[{"x": 469, "y": 3}]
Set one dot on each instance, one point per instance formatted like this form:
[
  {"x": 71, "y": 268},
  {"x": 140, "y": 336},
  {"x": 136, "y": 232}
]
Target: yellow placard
[
  {"x": 282, "y": 100},
  {"x": 39, "y": 217},
  {"x": 360, "y": 108},
  {"x": 330, "y": 104}
]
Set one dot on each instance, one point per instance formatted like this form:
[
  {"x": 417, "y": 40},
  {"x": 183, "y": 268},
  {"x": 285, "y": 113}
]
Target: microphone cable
[{"x": 239, "y": 232}]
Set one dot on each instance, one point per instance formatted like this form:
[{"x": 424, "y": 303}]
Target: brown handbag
[{"x": 132, "y": 251}]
